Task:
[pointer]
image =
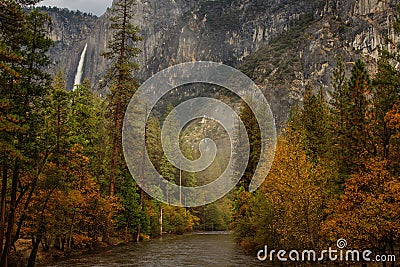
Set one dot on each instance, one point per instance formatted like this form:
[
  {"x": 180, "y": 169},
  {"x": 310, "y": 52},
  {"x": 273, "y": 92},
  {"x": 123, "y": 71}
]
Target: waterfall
[{"x": 79, "y": 70}]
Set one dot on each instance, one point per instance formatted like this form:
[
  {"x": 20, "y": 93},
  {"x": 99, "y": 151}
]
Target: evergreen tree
[
  {"x": 87, "y": 127},
  {"x": 58, "y": 115},
  {"x": 314, "y": 122},
  {"x": 172, "y": 129},
  {"x": 339, "y": 99},
  {"x": 131, "y": 215},
  {"x": 358, "y": 115},
  {"x": 168, "y": 172},
  {"x": 153, "y": 141},
  {"x": 188, "y": 178},
  {"x": 121, "y": 55},
  {"x": 23, "y": 47},
  {"x": 351, "y": 117},
  {"x": 173, "y": 126},
  {"x": 386, "y": 96},
  {"x": 55, "y": 136}
]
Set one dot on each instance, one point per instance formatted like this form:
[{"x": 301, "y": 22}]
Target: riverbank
[
  {"x": 23, "y": 247},
  {"x": 20, "y": 255}
]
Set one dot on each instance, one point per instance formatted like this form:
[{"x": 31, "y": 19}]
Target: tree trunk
[
  {"x": 114, "y": 160},
  {"x": 11, "y": 217},
  {"x": 3, "y": 206},
  {"x": 32, "y": 256},
  {"x": 23, "y": 216},
  {"x": 28, "y": 199},
  {"x": 127, "y": 231},
  {"x": 140, "y": 210},
  {"x": 137, "y": 237},
  {"x": 42, "y": 228},
  {"x": 161, "y": 219},
  {"x": 114, "y": 166},
  {"x": 180, "y": 185},
  {"x": 71, "y": 231},
  {"x": 141, "y": 191}
]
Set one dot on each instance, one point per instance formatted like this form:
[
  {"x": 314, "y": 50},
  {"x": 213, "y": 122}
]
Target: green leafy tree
[{"x": 178, "y": 220}]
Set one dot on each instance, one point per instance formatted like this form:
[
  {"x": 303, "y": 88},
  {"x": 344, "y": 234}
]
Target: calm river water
[{"x": 198, "y": 249}]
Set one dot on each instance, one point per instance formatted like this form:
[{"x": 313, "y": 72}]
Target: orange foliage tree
[{"x": 367, "y": 214}]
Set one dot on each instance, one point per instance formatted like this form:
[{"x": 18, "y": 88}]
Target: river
[{"x": 197, "y": 249}]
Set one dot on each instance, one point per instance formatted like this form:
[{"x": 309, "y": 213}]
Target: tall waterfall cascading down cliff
[
  {"x": 282, "y": 45},
  {"x": 79, "y": 70}
]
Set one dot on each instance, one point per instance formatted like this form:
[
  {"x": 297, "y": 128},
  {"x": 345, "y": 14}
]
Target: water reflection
[{"x": 198, "y": 249}]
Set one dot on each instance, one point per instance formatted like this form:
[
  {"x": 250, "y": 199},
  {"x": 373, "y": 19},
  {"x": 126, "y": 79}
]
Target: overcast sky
[{"x": 97, "y": 7}]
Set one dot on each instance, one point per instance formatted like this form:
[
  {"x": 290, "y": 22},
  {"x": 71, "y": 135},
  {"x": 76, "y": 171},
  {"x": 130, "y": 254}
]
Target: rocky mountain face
[
  {"x": 281, "y": 44},
  {"x": 68, "y": 30}
]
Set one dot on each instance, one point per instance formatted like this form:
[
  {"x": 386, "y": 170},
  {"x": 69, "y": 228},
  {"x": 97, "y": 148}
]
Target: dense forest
[
  {"x": 65, "y": 187},
  {"x": 336, "y": 169}
]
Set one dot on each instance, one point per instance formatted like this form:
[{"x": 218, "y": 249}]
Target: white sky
[{"x": 97, "y": 7}]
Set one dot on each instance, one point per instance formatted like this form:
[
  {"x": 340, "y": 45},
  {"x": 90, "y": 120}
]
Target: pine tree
[
  {"x": 339, "y": 99},
  {"x": 55, "y": 136},
  {"x": 170, "y": 129},
  {"x": 86, "y": 125},
  {"x": 12, "y": 23},
  {"x": 168, "y": 172},
  {"x": 131, "y": 217},
  {"x": 121, "y": 55},
  {"x": 58, "y": 114},
  {"x": 23, "y": 48},
  {"x": 188, "y": 178},
  {"x": 314, "y": 122},
  {"x": 351, "y": 117},
  {"x": 358, "y": 115},
  {"x": 386, "y": 95},
  {"x": 153, "y": 141}
]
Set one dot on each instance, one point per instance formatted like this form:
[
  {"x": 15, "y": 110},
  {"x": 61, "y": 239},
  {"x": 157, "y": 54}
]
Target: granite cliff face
[
  {"x": 68, "y": 31},
  {"x": 280, "y": 44},
  {"x": 306, "y": 53}
]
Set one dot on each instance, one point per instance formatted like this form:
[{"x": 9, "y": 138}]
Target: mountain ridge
[{"x": 240, "y": 33}]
